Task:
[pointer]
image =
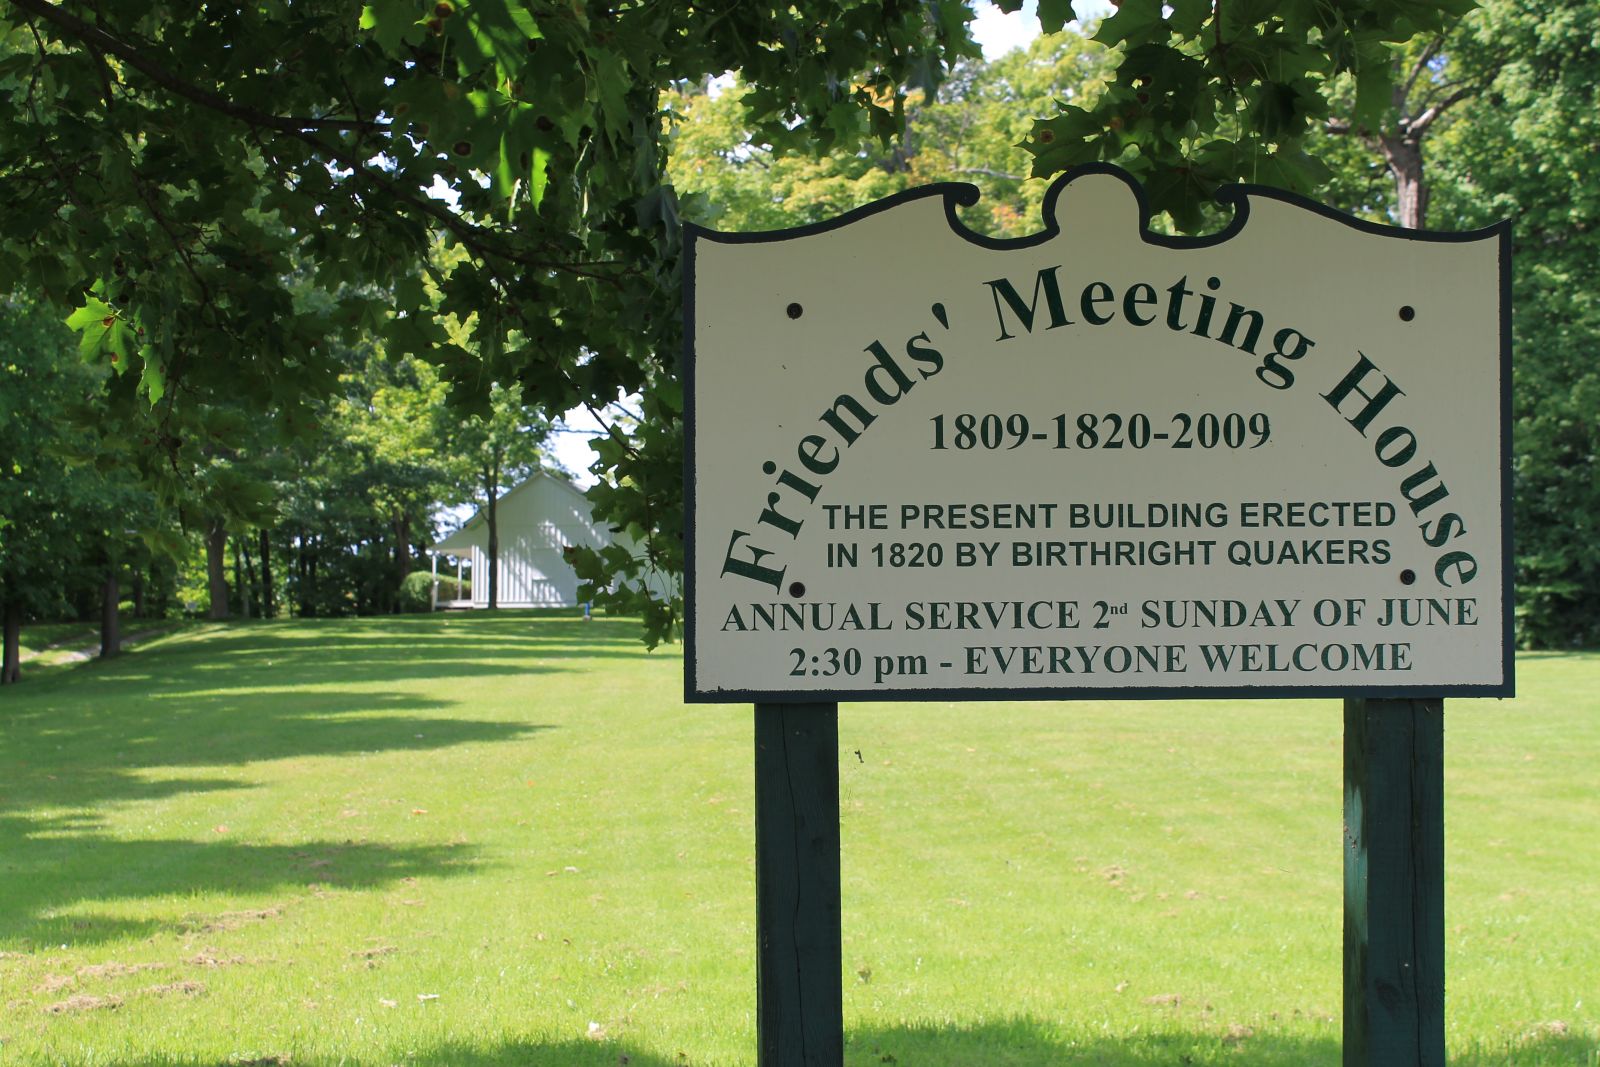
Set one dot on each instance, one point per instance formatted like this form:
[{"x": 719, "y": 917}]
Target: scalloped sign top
[{"x": 1097, "y": 462}]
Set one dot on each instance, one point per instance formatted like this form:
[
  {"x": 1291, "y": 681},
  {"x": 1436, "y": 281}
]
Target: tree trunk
[
  {"x": 266, "y": 576},
  {"x": 302, "y": 565},
  {"x": 159, "y": 593},
  {"x": 217, "y": 569},
  {"x": 247, "y": 579},
  {"x": 491, "y": 482},
  {"x": 402, "y": 553},
  {"x": 11, "y": 661},
  {"x": 1403, "y": 154},
  {"x": 110, "y": 629},
  {"x": 138, "y": 593},
  {"x": 311, "y": 575}
]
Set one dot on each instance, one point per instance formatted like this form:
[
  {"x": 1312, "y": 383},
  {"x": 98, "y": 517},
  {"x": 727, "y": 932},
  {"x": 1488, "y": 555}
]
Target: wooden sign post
[
  {"x": 799, "y": 1003},
  {"x": 1393, "y": 882},
  {"x": 1099, "y": 462}
]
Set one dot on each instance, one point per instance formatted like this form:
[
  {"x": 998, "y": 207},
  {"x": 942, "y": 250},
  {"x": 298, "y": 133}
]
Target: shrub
[{"x": 416, "y": 591}]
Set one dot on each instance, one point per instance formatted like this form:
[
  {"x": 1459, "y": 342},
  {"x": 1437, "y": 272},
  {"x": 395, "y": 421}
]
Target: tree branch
[
  {"x": 98, "y": 40},
  {"x": 304, "y": 129},
  {"x": 1419, "y": 125},
  {"x": 611, "y": 431},
  {"x": 990, "y": 173},
  {"x": 1402, "y": 94}
]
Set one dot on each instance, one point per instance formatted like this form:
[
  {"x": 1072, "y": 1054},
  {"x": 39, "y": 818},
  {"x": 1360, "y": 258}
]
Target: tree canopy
[
  {"x": 1526, "y": 151},
  {"x": 971, "y": 130},
  {"x": 1207, "y": 93},
  {"x": 229, "y": 199},
  {"x": 191, "y": 177}
]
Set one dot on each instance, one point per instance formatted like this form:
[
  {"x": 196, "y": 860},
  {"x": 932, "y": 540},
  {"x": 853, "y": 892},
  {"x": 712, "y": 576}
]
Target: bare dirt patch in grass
[
  {"x": 208, "y": 957},
  {"x": 1237, "y": 1033},
  {"x": 55, "y": 983},
  {"x": 229, "y": 920},
  {"x": 185, "y": 988},
  {"x": 113, "y": 969},
  {"x": 79, "y": 1003},
  {"x": 373, "y": 957}
]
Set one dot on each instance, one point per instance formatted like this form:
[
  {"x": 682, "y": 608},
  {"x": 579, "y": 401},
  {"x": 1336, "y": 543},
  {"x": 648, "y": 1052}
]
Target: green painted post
[
  {"x": 1393, "y": 883},
  {"x": 799, "y": 997}
]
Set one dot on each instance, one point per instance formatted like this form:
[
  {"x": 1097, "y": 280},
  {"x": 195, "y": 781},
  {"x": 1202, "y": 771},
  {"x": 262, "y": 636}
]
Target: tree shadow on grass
[
  {"x": 1025, "y": 1042},
  {"x": 1009, "y": 1043},
  {"x": 57, "y": 775},
  {"x": 1549, "y": 1044},
  {"x": 311, "y": 652},
  {"x": 78, "y": 755},
  {"x": 428, "y": 646},
  {"x": 121, "y": 732},
  {"x": 47, "y": 872},
  {"x": 273, "y": 656},
  {"x": 1020, "y": 1042}
]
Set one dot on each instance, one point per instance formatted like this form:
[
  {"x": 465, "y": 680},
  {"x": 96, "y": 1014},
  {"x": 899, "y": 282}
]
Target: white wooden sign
[{"x": 1097, "y": 461}]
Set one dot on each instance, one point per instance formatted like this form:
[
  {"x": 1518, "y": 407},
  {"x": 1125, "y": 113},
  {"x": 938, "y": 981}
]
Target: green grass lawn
[{"x": 473, "y": 840}]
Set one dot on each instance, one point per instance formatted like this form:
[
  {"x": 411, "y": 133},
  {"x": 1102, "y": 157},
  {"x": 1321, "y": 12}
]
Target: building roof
[{"x": 460, "y": 539}]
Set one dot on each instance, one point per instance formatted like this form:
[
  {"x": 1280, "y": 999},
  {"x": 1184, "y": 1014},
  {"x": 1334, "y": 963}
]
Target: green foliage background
[{"x": 266, "y": 222}]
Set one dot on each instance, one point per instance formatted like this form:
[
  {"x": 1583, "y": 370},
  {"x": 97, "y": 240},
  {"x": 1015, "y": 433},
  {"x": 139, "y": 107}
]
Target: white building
[{"x": 536, "y": 520}]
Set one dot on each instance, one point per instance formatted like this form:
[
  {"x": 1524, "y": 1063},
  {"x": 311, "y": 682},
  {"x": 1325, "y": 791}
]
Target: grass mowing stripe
[{"x": 483, "y": 840}]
